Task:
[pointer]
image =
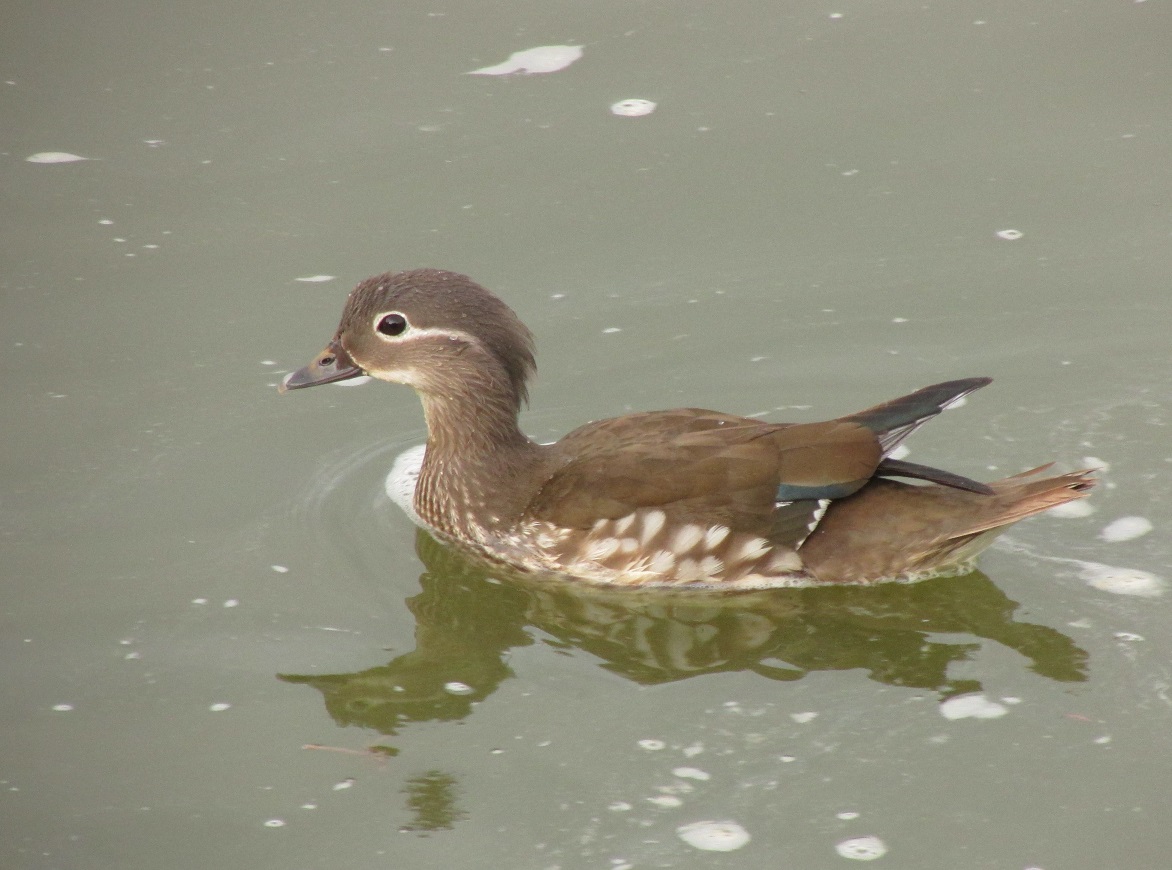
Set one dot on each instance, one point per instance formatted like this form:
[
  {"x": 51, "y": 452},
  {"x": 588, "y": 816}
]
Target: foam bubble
[
  {"x": 632, "y": 108},
  {"x": 711, "y": 836},
  {"x": 1072, "y": 509},
  {"x": 651, "y": 744},
  {"x": 54, "y": 157},
  {"x": 862, "y": 848},
  {"x": 667, "y": 801},
  {"x": 455, "y": 687},
  {"x": 1126, "y": 529},
  {"x": 691, "y": 773},
  {"x": 1010, "y": 235},
  {"x": 972, "y": 706},
  {"x": 543, "y": 59},
  {"x": 1121, "y": 581}
]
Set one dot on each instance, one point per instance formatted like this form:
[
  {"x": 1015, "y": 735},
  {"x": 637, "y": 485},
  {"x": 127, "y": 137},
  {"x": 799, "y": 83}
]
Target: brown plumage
[{"x": 686, "y": 497}]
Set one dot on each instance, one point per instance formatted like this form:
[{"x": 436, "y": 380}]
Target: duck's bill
[{"x": 330, "y": 366}]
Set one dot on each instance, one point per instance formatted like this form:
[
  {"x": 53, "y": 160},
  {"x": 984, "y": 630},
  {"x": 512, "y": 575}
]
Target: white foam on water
[
  {"x": 633, "y": 108},
  {"x": 972, "y": 706},
  {"x": 54, "y": 157},
  {"x": 542, "y": 59},
  {"x": 1126, "y": 529},
  {"x": 1121, "y": 581},
  {"x": 861, "y": 848},
  {"x": 1072, "y": 509},
  {"x": 725, "y": 836}
]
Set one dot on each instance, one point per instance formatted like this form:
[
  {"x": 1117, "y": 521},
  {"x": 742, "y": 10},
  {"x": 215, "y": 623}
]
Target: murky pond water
[{"x": 224, "y": 646}]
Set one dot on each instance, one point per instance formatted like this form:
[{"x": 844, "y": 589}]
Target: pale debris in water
[
  {"x": 1126, "y": 529},
  {"x": 1121, "y": 581},
  {"x": 543, "y": 59},
  {"x": 691, "y": 773},
  {"x": 714, "y": 836},
  {"x": 353, "y": 382},
  {"x": 54, "y": 157},
  {"x": 1072, "y": 509},
  {"x": 315, "y": 279},
  {"x": 973, "y": 706},
  {"x": 862, "y": 848},
  {"x": 632, "y": 108},
  {"x": 666, "y": 801}
]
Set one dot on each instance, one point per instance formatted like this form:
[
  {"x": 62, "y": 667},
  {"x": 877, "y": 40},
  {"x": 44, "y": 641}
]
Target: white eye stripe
[{"x": 412, "y": 333}]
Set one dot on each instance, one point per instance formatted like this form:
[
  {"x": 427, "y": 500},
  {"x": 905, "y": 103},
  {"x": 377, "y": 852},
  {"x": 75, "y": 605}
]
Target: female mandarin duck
[{"x": 681, "y": 498}]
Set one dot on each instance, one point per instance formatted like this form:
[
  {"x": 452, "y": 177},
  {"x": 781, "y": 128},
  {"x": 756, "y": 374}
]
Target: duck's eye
[{"x": 392, "y": 324}]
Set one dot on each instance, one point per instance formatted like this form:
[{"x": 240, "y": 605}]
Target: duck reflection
[{"x": 467, "y": 621}]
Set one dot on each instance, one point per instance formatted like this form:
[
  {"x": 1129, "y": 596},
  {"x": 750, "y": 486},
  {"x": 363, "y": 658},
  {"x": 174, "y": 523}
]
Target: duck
[{"x": 680, "y": 498}]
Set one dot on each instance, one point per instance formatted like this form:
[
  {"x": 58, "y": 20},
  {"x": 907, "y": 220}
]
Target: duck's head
[{"x": 439, "y": 332}]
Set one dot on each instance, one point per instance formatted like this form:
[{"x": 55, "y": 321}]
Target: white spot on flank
[
  {"x": 601, "y": 549},
  {"x": 652, "y": 523},
  {"x": 784, "y": 561},
  {"x": 686, "y": 538},
  {"x": 710, "y": 566},
  {"x": 688, "y": 570},
  {"x": 753, "y": 548},
  {"x": 715, "y": 537},
  {"x": 661, "y": 562},
  {"x": 623, "y": 523}
]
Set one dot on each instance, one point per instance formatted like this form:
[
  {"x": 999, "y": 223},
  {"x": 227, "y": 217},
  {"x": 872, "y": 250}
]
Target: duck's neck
[{"x": 472, "y": 475}]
